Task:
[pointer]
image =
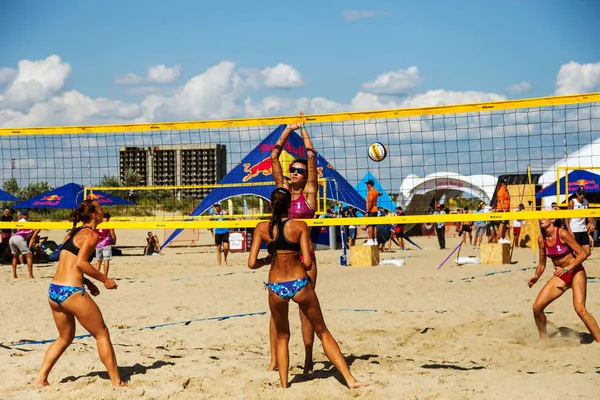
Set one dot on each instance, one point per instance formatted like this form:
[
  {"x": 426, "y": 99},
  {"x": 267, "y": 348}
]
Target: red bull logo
[
  {"x": 262, "y": 167},
  {"x": 51, "y": 200},
  {"x": 52, "y": 197},
  {"x": 100, "y": 198},
  {"x": 297, "y": 151},
  {"x": 587, "y": 184}
]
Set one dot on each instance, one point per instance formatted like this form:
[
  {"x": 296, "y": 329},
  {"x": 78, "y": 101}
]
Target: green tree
[
  {"x": 34, "y": 189},
  {"x": 11, "y": 186},
  {"x": 131, "y": 178},
  {"x": 112, "y": 181},
  {"x": 109, "y": 181}
]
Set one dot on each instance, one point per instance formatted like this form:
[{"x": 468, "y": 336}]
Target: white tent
[{"x": 416, "y": 193}]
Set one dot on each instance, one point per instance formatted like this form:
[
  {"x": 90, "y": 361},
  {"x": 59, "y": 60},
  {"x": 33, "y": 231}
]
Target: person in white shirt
[
  {"x": 580, "y": 227},
  {"x": 517, "y": 227}
]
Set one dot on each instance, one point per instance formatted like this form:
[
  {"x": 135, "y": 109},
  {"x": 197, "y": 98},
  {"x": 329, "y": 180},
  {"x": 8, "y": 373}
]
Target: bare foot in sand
[
  {"x": 120, "y": 384},
  {"x": 272, "y": 366},
  {"x": 356, "y": 384},
  {"x": 40, "y": 382}
]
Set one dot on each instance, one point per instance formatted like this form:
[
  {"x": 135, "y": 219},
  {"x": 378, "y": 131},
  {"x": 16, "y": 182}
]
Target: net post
[{"x": 532, "y": 190}]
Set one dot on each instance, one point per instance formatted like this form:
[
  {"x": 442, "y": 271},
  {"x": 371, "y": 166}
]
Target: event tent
[
  {"x": 577, "y": 178},
  {"x": 69, "y": 196},
  {"x": 5, "y": 196},
  {"x": 253, "y": 176},
  {"x": 384, "y": 200}
]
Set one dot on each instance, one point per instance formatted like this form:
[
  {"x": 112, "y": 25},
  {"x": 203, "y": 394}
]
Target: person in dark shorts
[
  {"x": 466, "y": 229},
  {"x": 580, "y": 227},
  {"x": 6, "y": 233},
  {"x": 399, "y": 229},
  {"x": 372, "y": 196},
  {"x": 221, "y": 234}
]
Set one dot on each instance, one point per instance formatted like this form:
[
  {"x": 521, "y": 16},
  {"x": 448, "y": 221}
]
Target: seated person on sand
[{"x": 152, "y": 245}]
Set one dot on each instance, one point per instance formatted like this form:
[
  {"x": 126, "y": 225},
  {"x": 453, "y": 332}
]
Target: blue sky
[{"x": 465, "y": 45}]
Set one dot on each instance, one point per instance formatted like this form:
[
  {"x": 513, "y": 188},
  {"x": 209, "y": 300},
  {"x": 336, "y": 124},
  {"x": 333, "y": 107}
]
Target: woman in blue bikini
[
  {"x": 68, "y": 299},
  {"x": 286, "y": 240},
  {"x": 304, "y": 186}
]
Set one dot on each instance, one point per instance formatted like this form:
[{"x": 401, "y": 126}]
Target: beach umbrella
[
  {"x": 5, "y": 196},
  {"x": 69, "y": 196}
]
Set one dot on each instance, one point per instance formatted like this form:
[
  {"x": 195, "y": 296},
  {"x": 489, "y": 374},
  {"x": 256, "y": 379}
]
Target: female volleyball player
[
  {"x": 286, "y": 240},
  {"x": 567, "y": 256},
  {"x": 303, "y": 186},
  {"x": 68, "y": 298}
]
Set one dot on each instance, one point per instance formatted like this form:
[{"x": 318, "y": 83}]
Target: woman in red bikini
[
  {"x": 303, "y": 186},
  {"x": 567, "y": 256}
]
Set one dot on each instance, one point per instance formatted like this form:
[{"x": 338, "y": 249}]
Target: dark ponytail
[
  {"x": 83, "y": 213},
  {"x": 281, "y": 199}
]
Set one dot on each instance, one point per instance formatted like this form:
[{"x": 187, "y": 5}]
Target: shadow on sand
[
  {"x": 329, "y": 370},
  {"x": 125, "y": 372}
]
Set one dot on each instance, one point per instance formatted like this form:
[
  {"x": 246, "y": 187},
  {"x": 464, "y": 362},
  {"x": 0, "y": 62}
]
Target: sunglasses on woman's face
[{"x": 300, "y": 171}]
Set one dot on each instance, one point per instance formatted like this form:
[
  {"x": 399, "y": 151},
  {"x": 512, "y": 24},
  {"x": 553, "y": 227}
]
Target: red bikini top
[{"x": 559, "y": 249}]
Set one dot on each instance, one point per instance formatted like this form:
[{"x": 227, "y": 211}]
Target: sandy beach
[{"x": 184, "y": 328}]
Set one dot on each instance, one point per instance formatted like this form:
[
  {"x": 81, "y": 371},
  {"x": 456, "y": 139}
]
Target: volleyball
[{"x": 377, "y": 151}]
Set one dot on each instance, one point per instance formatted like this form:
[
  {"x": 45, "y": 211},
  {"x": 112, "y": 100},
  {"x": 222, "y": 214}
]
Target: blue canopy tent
[
  {"x": 384, "y": 200},
  {"x": 5, "y": 196},
  {"x": 256, "y": 168},
  {"x": 69, "y": 196},
  {"x": 577, "y": 178}
]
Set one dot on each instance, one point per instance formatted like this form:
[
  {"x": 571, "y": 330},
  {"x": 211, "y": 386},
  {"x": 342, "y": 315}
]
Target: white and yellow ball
[{"x": 377, "y": 151}]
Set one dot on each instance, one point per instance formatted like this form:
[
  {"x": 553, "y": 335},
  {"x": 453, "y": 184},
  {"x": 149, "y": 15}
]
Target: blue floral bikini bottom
[
  {"x": 60, "y": 293},
  {"x": 287, "y": 290}
]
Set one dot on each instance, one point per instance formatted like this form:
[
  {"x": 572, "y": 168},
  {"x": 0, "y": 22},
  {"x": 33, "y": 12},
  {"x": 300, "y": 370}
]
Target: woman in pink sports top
[
  {"x": 303, "y": 186},
  {"x": 567, "y": 256}
]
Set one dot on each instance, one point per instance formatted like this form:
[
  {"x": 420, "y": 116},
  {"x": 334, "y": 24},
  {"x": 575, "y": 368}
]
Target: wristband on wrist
[
  {"x": 266, "y": 260},
  {"x": 566, "y": 270}
]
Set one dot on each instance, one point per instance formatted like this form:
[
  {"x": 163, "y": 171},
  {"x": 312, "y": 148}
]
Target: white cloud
[
  {"x": 156, "y": 74},
  {"x": 442, "y": 97},
  {"x": 7, "y": 75},
  {"x": 221, "y": 92},
  {"x": 517, "y": 88},
  {"x": 35, "y": 81},
  {"x": 163, "y": 74},
  {"x": 216, "y": 93},
  {"x": 128, "y": 79},
  {"x": 574, "y": 78},
  {"x": 72, "y": 108},
  {"x": 353, "y": 15},
  {"x": 394, "y": 82},
  {"x": 282, "y": 76}
]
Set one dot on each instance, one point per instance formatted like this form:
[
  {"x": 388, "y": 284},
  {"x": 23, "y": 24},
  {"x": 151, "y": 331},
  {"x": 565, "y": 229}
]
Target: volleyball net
[{"x": 170, "y": 175}]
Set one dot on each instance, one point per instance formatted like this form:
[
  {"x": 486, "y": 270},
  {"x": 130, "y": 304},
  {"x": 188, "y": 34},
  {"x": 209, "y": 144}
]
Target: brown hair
[
  {"x": 281, "y": 198},
  {"x": 302, "y": 161},
  {"x": 83, "y": 213}
]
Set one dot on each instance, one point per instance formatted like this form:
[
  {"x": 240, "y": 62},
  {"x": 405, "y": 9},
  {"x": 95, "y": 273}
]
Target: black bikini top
[
  {"x": 281, "y": 242},
  {"x": 69, "y": 245}
]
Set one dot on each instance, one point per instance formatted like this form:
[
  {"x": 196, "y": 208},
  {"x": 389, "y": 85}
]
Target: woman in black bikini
[
  {"x": 288, "y": 279},
  {"x": 67, "y": 296}
]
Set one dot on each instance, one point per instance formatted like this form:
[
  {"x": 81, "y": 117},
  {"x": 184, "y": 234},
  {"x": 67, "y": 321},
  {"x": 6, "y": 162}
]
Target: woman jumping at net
[
  {"x": 68, "y": 298},
  {"x": 286, "y": 240},
  {"x": 567, "y": 256},
  {"x": 303, "y": 186}
]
